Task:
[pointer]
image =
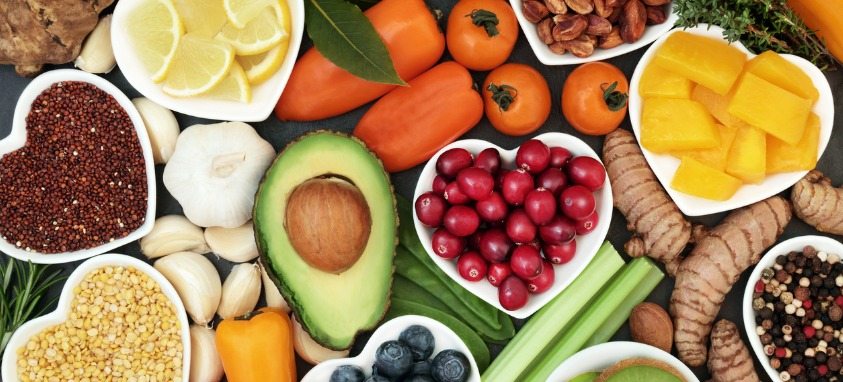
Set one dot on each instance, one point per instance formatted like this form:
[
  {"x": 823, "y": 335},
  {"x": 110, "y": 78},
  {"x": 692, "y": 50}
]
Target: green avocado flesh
[
  {"x": 333, "y": 308},
  {"x": 586, "y": 377},
  {"x": 643, "y": 374}
]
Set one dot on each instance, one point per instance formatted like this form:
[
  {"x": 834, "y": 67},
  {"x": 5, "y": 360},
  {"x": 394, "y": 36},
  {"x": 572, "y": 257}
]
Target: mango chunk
[
  {"x": 778, "y": 71},
  {"x": 659, "y": 82},
  {"x": 770, "y": 108},
  {"x": 748, "y": 155},
  {"x": 669, "y": 124},
  {"x": 697, "y": 179},
  {"x": 783, "y": 157},
  {"x": 708, "y": 61},
  {"x": 714, "y": 157},
  {"x": 717, "y": 105}
]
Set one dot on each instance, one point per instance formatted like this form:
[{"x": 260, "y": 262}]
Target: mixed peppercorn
[{"x": 798, "y": 305}]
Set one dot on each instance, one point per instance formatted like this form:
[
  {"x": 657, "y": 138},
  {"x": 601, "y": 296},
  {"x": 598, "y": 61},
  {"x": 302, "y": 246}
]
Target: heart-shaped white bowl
[
  {"x": 264, "y": 95},
  {"x": 664, "y": 166},
  {"x": 587, "y": 245},
  {"x": 601, "y": 357},
  {"x": 37, "y": 325},
  {"x": 445, "y": 339},
  {"x": 17, "y": 139},
  {"x": 821, "y": 243},
  {"x": 545, "y": 56}
]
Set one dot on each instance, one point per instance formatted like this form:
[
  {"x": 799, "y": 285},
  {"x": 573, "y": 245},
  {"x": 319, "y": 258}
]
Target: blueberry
[
  {"x": 419, "y": 378},
  {"x": 421, "y": 368},
  {"x": 450, "y": 366},
  {"x": 347, "y": 373},
  {"x": 393, "y": 359},
  {"x": 420, "y": 340},
  {"x": 376, "y": 378}
]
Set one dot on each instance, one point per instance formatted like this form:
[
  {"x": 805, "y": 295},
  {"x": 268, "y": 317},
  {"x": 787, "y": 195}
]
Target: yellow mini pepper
[{"x": 257, "y": 347}]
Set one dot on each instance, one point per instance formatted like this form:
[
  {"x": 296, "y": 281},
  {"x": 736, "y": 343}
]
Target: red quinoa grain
[{"x": 80, "y": 179}]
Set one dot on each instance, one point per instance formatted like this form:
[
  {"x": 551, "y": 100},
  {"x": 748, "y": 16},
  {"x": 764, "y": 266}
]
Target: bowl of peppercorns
[{"x": 793, "y": 310}]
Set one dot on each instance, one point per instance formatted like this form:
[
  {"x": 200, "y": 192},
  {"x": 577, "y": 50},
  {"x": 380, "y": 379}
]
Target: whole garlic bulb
[{"x": 196, "y": 281}]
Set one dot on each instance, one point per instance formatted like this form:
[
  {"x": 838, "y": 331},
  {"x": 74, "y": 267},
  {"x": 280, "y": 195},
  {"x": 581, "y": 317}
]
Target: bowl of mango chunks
[{"x": 722, "y": 127}]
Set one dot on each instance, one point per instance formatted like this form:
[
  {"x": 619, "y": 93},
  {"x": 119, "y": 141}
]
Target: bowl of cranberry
[{"x": 514, "y": 227}]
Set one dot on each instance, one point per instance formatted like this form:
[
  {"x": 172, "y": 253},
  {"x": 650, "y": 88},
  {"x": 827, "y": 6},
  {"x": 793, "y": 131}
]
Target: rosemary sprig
[
  {"x": 24, "y": 285},
  {"x": 760, "y": 25}
]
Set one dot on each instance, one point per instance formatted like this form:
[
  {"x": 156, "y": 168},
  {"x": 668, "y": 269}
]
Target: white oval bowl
[
  {"x": 600, "y": 357},
  {"x": 821, "y": 243},
  {"x": 664, "y": 166},
  {"x": 17, "y": 139},
  {"x": 445, "y": 339},
  {"x": 264, "y": 95},
  {"x": 587, "y": 245},
  {"x": 545, "y": 56},
  {"x": 37, "y": 325}
]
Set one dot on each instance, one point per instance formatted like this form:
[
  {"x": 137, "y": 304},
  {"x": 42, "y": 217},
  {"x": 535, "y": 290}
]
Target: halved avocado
[{"x": 333, "y": 308}]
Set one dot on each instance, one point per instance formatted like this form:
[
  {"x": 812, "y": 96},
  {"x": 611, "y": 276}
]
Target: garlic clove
[
  {"x": 161, "y": 126},
  {"x": 273, "y": 296},
  {"x": 96, "y": 55},
  {"x": 197, "y": 282},
  {"x": 233, "y": 244},
  {"x": 310, "y": 351},
  {"x": 241, "y": 291},
  {"x": 171, "y": 234},
  {"x": 205, "y": 363}
]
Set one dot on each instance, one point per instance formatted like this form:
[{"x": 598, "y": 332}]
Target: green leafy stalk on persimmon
[
  {"x": 503, "y": 95},
  {"x": 615, "y": 99},
  {"x": 486, "y": 19}
]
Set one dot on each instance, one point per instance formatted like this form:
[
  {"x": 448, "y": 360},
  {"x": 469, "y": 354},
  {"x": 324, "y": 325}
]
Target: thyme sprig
[{"x": 24, "y": 285}]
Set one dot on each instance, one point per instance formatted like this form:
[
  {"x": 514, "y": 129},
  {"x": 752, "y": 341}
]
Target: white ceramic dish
[
  {"x": 444, "y": 337},
  {"x": 545, "y": 56},
  {"x": 664, "y": 166},
  {"x": 35, "y": 326},
  {"x": 264, "y": 95},
  {"x": 600, "y": 357},
  {"x": 17, "y": 138},
  {"x": 821, "y": 243},
  {"x": 587, "y": 245}
]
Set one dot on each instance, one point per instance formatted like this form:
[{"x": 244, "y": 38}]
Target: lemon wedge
[
  {"x": 155, "y": 30},
  {"x": 202, "y": 17},
  {"x": 235, "y": 87},
  {"x": 261, "y": 67},
  {"x": 199, "y": 65},
  {"x": 261, "y": 34},
  {"x": 241, "y": 12}
]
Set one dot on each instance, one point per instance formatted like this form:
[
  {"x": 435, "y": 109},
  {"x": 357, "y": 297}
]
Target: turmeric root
[
  {"x": 817, "y": 202},
  {"x": 714, "y": 265},
  {"x": 730, "y": 360},
  {"x": 660, "y": 230}
]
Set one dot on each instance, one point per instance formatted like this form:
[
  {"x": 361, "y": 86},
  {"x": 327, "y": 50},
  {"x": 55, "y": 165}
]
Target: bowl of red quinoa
[
  {"x": 77, "y": 177},
  {"x": 793, "y": 310}
]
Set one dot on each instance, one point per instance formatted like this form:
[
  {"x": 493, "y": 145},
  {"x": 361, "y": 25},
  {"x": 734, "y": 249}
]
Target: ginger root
[
  {"x": 816, "y": 202},
  {"x": 660, "y": 230},
  {"x": 730, "y": 360},
  {"x": 715, "y": 264}
]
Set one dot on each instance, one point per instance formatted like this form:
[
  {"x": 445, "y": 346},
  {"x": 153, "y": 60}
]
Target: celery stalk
[
  {"x": 538, "y": 333},
  {"x": 597, "y": 313}
]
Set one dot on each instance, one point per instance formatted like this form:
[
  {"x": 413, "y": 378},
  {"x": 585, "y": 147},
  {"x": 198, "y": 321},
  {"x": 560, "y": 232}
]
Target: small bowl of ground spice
[
  {"x": 76, "y": 172},
  {"x": 117, "y": 319},
  {"x": 793, "y": 310}
]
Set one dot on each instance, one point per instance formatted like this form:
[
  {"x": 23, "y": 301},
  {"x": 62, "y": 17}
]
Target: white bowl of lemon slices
[{"x": 214, "y": 59}]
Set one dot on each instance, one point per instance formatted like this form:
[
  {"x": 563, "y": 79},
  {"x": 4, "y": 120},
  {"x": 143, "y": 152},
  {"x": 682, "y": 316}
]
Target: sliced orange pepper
[{"x": 257, "y": 347}]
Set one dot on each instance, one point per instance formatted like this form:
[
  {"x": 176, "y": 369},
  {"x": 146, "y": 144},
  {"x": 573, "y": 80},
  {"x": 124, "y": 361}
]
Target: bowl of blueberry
[{"x": 407, "y": 348}]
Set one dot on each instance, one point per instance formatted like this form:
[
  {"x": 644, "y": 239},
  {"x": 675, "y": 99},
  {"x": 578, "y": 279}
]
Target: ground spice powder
[{"x": 80, "y": 180}]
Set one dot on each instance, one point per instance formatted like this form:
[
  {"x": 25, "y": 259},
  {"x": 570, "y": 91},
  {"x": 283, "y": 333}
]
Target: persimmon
[
  {"x": 516, "y": 98},
  {"x": 481, "y": 33},
  {"x": 594, "y": 98}
]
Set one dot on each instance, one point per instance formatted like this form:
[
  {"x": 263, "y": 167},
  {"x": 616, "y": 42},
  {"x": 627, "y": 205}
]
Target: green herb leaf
[
  {"x": 364, "y": 4},
  {"x": 345, "y": 36}
]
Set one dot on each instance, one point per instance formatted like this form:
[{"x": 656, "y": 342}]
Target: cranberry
[
  {"x": 430, "y": 208},
  {"x": 475, "y": 182},
  {"x": 512, "y": 293},
  {"x": 489, "y": 160},
  {"x": 543, "y": 281},
  {"x": 439, "y": 184},
  {"x": 526, "y": 262},
  {"x": 588, "y": 224},
  {"x": 559, "y": 157},
  {"x": 558, "y": 230},
  {"x": 494, "y": 245},
  {"x": 452, "y": 161},
  {"x": 540, "y": 206},
  {"x": 533, "y": 156},
  {"x": 473, "y": 241},
  {"x": 471, "y": 266},
  {"x": 498, "y": 272},
  {"x": 560, "y": 253},
  {"x": 461, "y": 220},
  {"x": 516, "y": 185},
  {"x": 446, "y": 245},
  {"x": 586, "y": 171},
  {"x": 454, "y": 195},
  {"x": 499, "y": 178},
  {"x": 519, "y": 227},
  {"x": 492, "y": 209},
  {"x": 576, "y": 202},
  {"x": 552, "y": 179}
]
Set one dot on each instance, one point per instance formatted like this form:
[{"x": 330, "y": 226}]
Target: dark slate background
[{"x": 280, "y": 133}]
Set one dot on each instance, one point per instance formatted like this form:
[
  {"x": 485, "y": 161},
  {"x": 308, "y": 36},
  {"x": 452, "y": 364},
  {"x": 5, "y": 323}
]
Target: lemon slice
[
  {"x": 261, "y": 34},
  {"x": 235, "y": 87},
  {"x": 241, "y": 12},
  {"x": 261, "y": 67},
  {"x": 202, "y": 17},
  {"x": 200, "y": 64},
  {"x": 155, "y": 30}
]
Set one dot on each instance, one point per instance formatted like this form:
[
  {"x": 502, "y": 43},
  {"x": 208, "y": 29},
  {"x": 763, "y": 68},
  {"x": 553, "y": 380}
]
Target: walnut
[
  {"x": 534, "y": 10},
  {"x": 570, "y": 28}
]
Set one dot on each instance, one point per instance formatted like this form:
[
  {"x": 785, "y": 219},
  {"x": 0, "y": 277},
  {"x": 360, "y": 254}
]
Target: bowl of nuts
[{"x": 572, "y": 32}]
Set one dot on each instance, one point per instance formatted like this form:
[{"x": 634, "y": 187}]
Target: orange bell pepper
[
  {"x": 257, "y": 347},
  {"x": 318, "y": 89},
  {"x": 826, "y": 18},
  {"x": 408, "y": 125}
]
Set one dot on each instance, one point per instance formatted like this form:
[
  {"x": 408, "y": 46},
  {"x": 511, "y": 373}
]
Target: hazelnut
[
  {"x": 570, "y": 28},
  {"x": 650, "y": 324},
  {"x": 534, "y": 10}
]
